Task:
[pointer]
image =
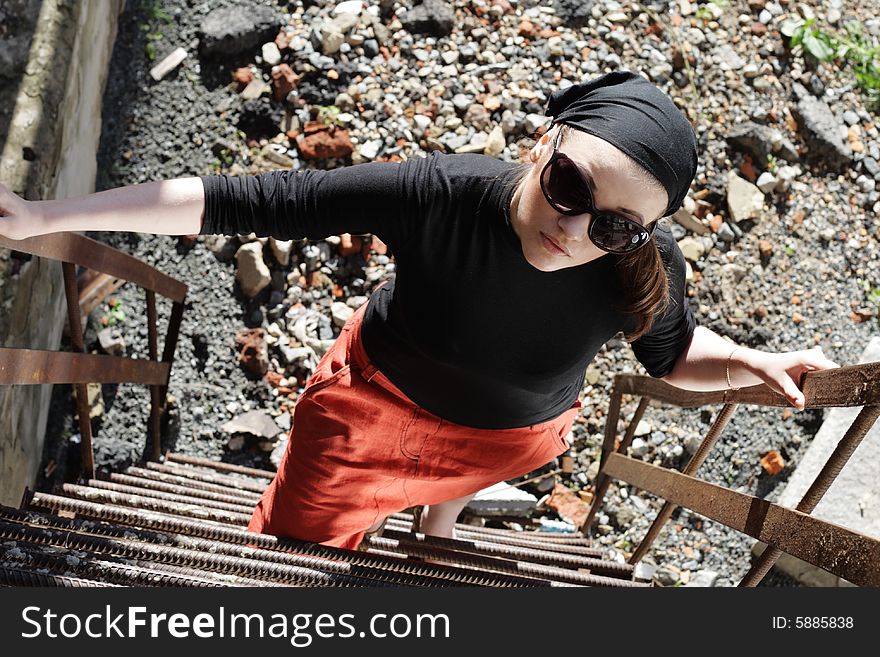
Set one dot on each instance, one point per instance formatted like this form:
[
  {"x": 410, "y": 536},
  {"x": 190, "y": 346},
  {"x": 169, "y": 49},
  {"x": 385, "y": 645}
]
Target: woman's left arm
[{"x": 709, "y": 359}]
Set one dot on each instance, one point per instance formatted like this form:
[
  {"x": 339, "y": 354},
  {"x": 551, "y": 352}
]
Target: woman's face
[{"x": 551, "y": 240}]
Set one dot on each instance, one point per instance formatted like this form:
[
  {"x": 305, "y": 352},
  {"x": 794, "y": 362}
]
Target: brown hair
[{"x": 642, "y": 273}]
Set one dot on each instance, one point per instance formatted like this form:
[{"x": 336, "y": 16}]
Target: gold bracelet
[{"x": 729, "y": 385}]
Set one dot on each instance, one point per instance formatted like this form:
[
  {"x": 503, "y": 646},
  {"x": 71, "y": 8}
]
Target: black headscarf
[{"x": 631, "y": 113}]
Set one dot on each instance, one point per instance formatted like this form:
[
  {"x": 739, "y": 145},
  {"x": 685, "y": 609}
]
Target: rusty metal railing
[
  {"x": 30, "y": 366},
  {"x": 846, "y": 553}
]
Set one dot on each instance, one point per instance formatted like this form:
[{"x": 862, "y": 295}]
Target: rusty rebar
[
  {"x": 666, "y": 511},
  {"x": 182, "y": 532},
  {"x": 168, "y": 497},
  {"x": 182, "y": 557},
  {"x": 465, "y": 535},
  {"x": 178, "y": 480},
  {"x": 221, "y": 480},
  {"x": 174, "y": 489},
  {"x": 174, "y": 457},
  {"x": 543, "y": 557},
  {"x": 572, "y": 539},
  {"x": 19, "y": 577},
  {"x": 142, "y": 502},
  {"x": 99, "y": 570},
  {"x": 414, "y": 546},
  {"x": 839, "y": 457}
]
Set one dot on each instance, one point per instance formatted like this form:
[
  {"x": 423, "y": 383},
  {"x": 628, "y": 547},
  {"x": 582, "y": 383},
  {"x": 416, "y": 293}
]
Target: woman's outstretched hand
[
  {"x": 18, "y": 220},
  {"x": 782, "y": 371}
]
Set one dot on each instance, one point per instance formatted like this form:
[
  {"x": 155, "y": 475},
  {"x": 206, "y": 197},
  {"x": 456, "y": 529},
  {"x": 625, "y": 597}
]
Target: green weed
[{"x": 855, "y": 48}]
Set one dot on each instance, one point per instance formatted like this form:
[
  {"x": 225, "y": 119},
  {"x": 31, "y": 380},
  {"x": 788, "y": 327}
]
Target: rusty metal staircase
[{"x": 181, "y": 521}]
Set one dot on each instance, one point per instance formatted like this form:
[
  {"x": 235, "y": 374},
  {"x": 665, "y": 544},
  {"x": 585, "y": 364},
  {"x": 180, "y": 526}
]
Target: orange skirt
[{"x": 360, "y": 449}]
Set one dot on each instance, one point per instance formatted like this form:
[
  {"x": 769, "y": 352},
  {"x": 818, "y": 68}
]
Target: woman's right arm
[{"x": 165, "y": 207}]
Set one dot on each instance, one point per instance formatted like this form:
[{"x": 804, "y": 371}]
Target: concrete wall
[{"x": 57, "y": 115}]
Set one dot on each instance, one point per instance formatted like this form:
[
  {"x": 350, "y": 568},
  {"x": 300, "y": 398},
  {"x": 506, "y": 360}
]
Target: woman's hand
[
  {"x": 782, "y": 371},
  {"x": 18, "y": 219}
]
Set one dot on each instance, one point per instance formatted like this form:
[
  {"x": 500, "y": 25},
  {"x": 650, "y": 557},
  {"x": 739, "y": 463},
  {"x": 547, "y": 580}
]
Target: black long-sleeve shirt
[{"x": 469, "y": 330}]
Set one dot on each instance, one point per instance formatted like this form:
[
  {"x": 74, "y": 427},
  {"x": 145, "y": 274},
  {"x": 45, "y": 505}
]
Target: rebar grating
[{"x": 184, "y": 523}]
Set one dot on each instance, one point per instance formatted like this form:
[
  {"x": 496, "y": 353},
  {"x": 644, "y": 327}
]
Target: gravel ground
[{"x": 725, "y": 66}]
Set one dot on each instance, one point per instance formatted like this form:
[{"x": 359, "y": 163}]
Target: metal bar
[
  {"x": 100, "y": 570},
  {"x": 232, "y": 482},
  {"x": 144, "y": 473},
  {"x": 169, "y": 497},
  {"x": 171, "y": 343},
  {"x": 544, "y": 557},
  {"x": 78, "y": 345},
  {"x": 839, "y": 457},
  {"x": 602, "y": 480},
  {"x": 850, "y": 385},
  {"x": 174, "y": 457},
  {"x": 513, "y": 539},
  {"x": 416, "y": 545},
  {"x": 721, "y": 421},
  {"x": 154, "y": 429},
  {"x": 572, "y": 539},
  {"x": 194, "y": 494},
  {"x": 841, "y": 551},
  {"x": 173, "y": 530},
  {"x": 181, "y": 557},
  {"x": 73, "y": 247},
  {"x": 35, "y": 366},
  {"x": 19, "y": 577},
  {"x": 140, "y": 501}
]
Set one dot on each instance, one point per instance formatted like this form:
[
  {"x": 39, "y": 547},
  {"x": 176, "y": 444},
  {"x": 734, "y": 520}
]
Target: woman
[{"x": 466, "y": 369}]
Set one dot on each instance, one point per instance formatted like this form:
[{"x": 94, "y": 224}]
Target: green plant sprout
[
  {"x": 116, "y": 314},
  {"x": 859, "y": 50}
]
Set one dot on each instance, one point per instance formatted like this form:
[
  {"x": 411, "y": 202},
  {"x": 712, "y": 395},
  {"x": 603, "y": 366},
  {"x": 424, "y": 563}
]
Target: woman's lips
[{"x": 553, "y": 247}]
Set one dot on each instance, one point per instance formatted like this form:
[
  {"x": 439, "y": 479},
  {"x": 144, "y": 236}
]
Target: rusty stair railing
[
  {"x": 846, "y": 553},
  {"x": 21, "y": 366}
]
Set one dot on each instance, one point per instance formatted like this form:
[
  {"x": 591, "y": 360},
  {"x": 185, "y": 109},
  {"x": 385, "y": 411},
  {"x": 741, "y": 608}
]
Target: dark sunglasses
[{"x": 568, "y": 191}]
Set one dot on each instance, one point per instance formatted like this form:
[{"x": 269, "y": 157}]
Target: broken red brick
[
  {"x": 253, "y": 355},
  {"x": 274, "y": 379},
  {"x": 772, "y": 462},
  {"x": 283, "y": 81},
  {"x": 333, "y": 143},
  {"x": 568, "y": 505}
]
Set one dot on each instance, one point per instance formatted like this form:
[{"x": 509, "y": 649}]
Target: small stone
[
  {"x": 703, "y": 579},
  {"x": 692, "y": 249},
  {"x": 281, "y": 250},
  {"x": 496, "y": 143},
  {"x": 271, "y": 53},
  {"x": 767, "y": 182},
  {"x": 111, "y": 341},
  {"x": 341, "y": 313},
  {"x": 283, "y": 421},
  {"x": 744, "y": 200},
  {"x": 638, "y": 447},
  {"x": 252, "y": 273},
  {"x": 171, "y": 62},
  {"x": 765, "y": 248},
  {"x": 255, "y": 423},
  {"x": 643, "y": 428}
]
